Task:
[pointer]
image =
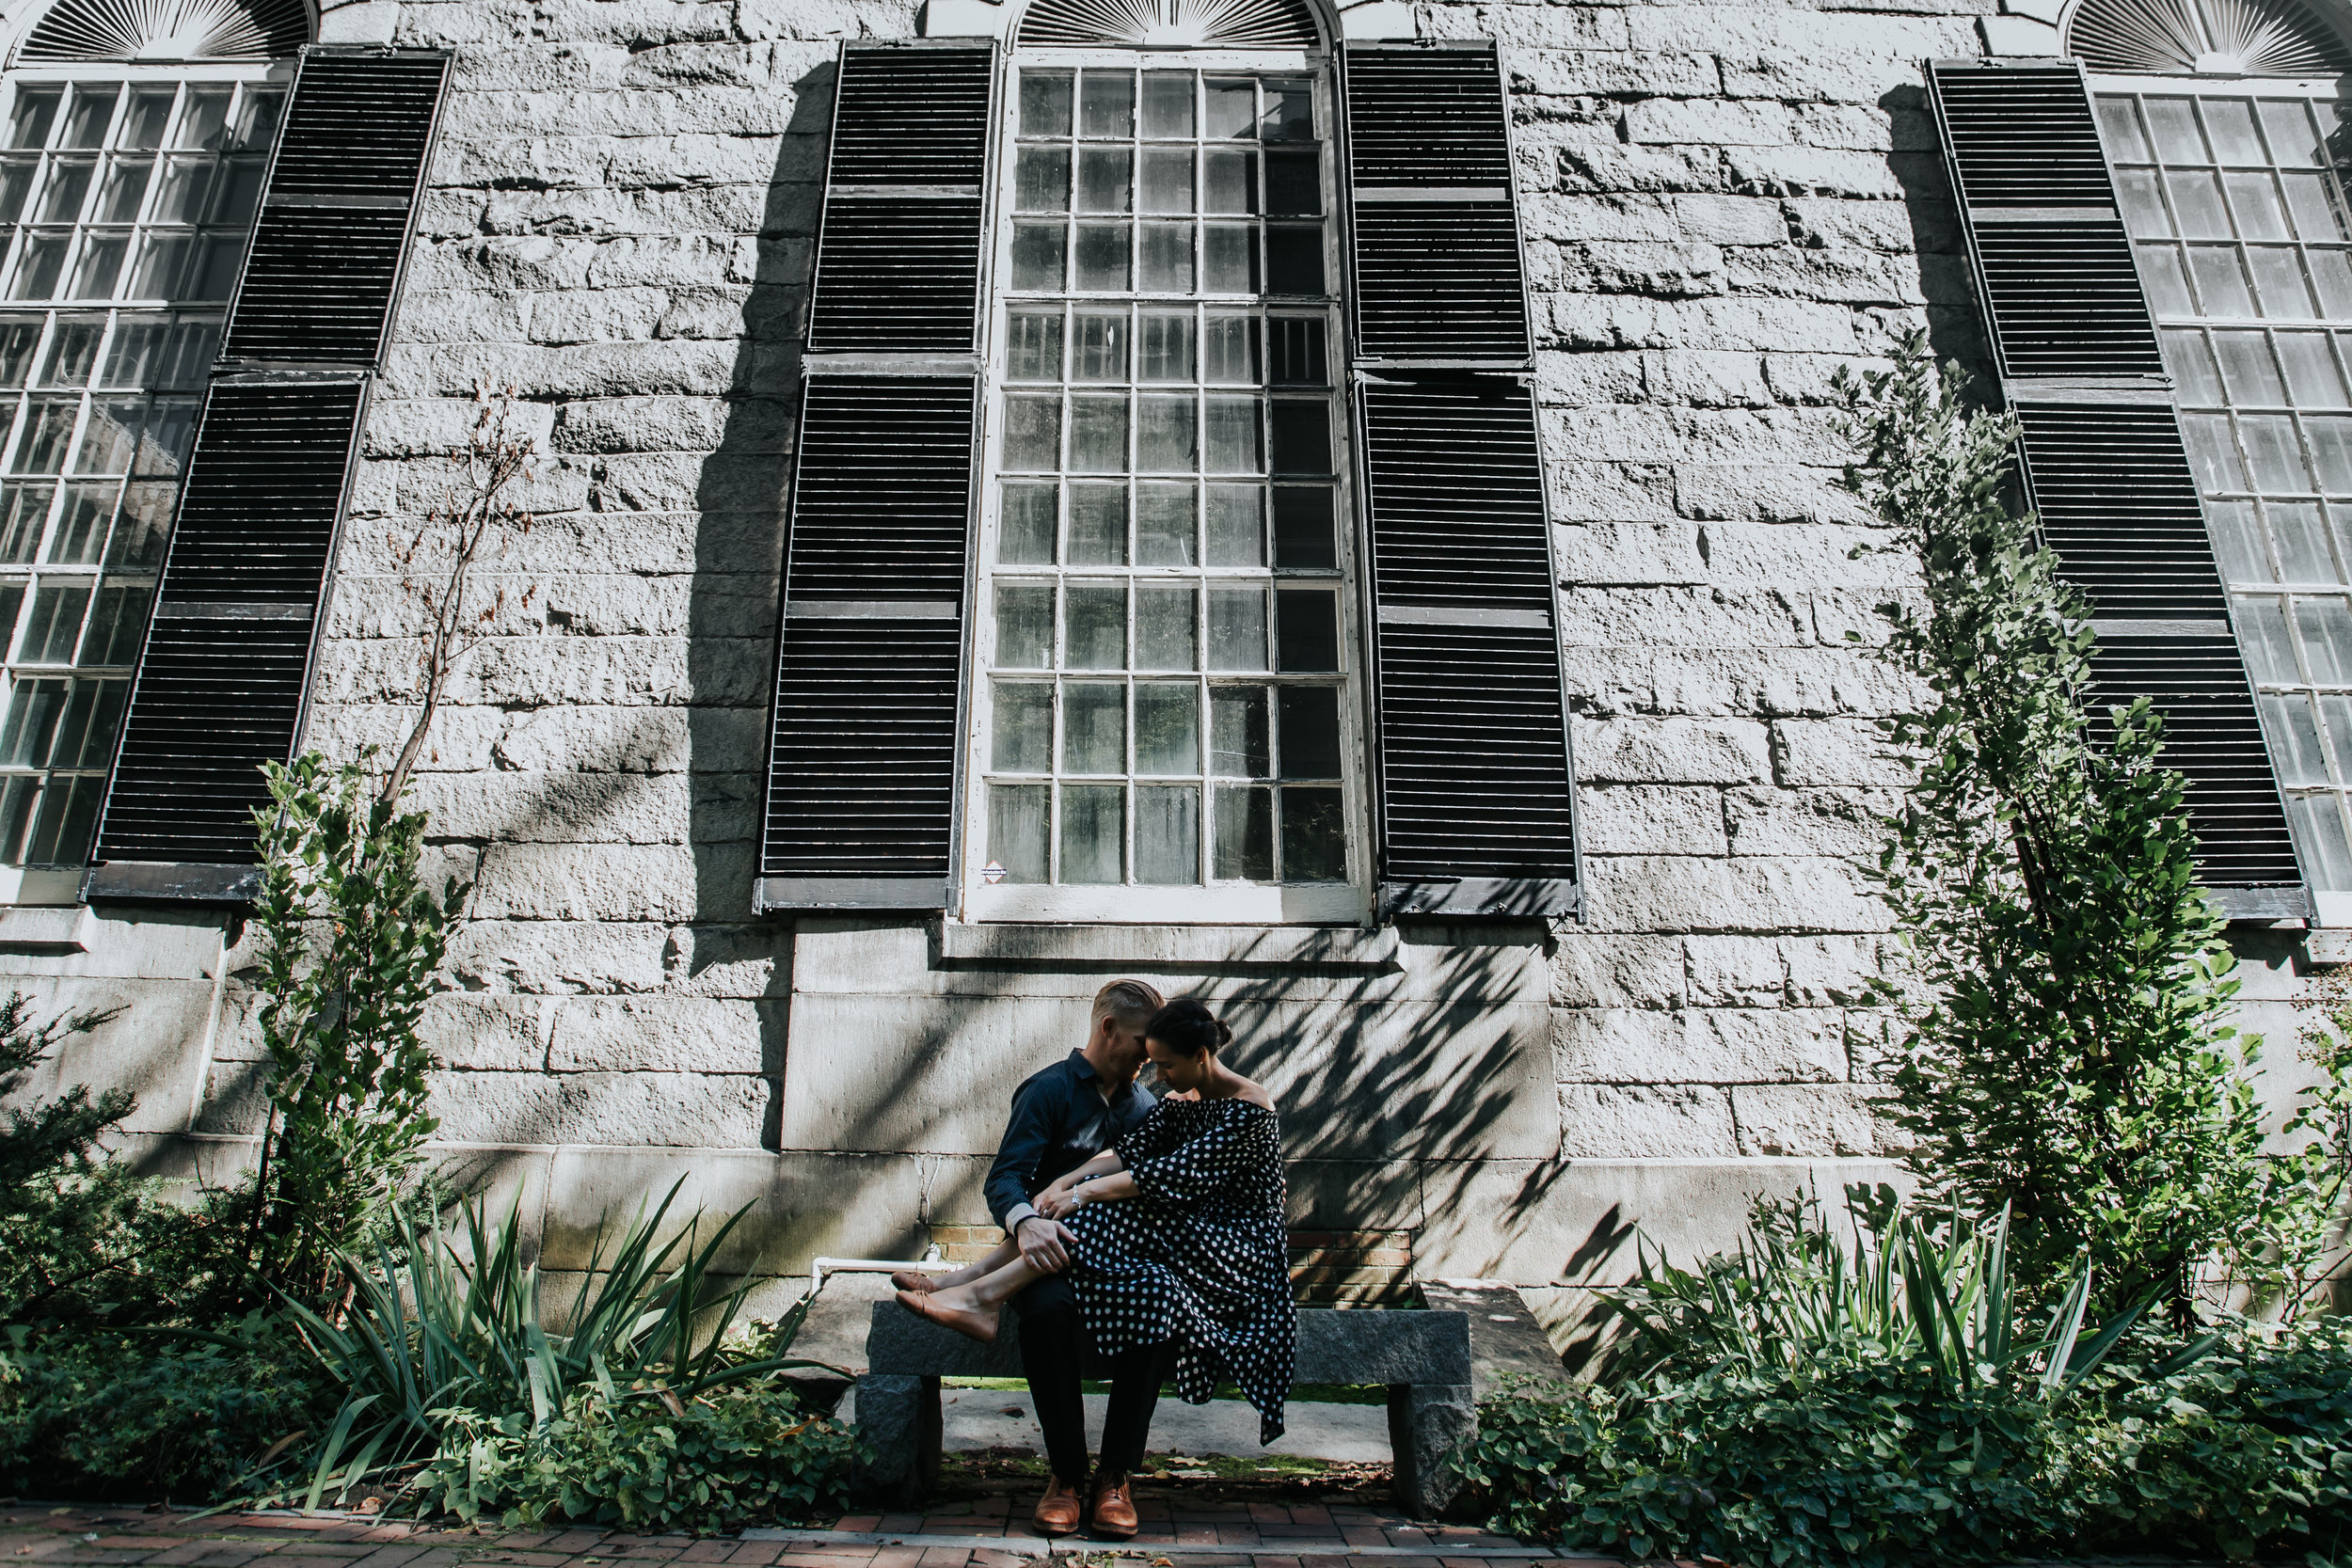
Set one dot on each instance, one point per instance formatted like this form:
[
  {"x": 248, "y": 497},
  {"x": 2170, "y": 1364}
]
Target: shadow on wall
[{"x": 1954, "y": 331}]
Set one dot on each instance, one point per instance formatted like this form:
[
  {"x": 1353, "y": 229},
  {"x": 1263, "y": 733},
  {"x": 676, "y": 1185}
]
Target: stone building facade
[{"x": 1722, "y": 205}]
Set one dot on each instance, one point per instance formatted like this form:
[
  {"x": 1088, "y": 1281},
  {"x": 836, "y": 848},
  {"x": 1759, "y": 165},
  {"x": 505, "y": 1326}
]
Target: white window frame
[
  {"x": 2332, "y": 907},
  {"x": 1212, "y": 902},
  {"x": 61, "y": 884}
]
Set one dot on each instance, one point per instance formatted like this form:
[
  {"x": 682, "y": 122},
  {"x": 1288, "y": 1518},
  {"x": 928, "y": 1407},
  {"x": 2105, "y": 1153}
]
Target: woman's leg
[
  {"x": 923, "y": 1284},
  {"x": 974, "y": 1308}
]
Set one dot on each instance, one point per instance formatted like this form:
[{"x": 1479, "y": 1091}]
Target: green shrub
[
  {"x": 714, "y": 1462},
  {"x": 1856, "y": 1458},
  {"x": 143, "y": 1416}
]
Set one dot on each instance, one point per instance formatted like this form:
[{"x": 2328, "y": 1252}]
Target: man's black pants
[{"x": 1053, "y": 1336}]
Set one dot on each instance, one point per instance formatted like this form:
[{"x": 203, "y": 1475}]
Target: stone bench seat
[{"x": 1422, "y": 1357}]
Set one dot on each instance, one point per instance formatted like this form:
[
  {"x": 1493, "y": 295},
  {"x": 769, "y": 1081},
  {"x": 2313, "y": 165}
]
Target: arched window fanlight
[
  {"x": 168, "y": 30},
  {"x": 2227, "y": 37},
  {"x": 1172, "y": 23}
]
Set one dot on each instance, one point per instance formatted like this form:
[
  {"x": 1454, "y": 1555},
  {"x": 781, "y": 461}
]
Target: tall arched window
[
  {"x": 2224, "y": 130},
  {"x": 135, "y": 140},
  {"x": 1168, "y": 714}
]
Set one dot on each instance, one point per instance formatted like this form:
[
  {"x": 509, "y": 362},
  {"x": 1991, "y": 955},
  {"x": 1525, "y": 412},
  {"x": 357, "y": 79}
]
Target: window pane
[
  {"x": 2263, "y": 636},
  {"x": 1228, "y": 259},
  {"x": 1228, "y": 182},
  {"x": 1098, "y": 434},
  {"x": 2313, "y": 377},
  {"x": 1167, "y": 630},
  {"x": 81, "y": 526},
  {"x": 1167, "y": 258},
  {"x": 2254, "y": 201},
  {"x": 2272, "y": 454},
  {"x": 53, "y": 623},
  {"x": 2230, "y": 128},
  {"x": 1025, "y": 536},
  {"x": 1236, "y": 525},
  {"x": 1302, "y": 437},
  {"x": 2167, "y": 284},
  {"x": 1093, "y": 833},
  {"x": 2319, "y": 834},
  {"x": 2279, "y": 280},
  {"x": 1045, "y": 103},
  {"x": 1165, "y": 526},
  {"x": 1165, "y": 440},
  {"x": 1290, "y": 111},
  {"x": 2196, "y": 204},
  {"x": 1231, "y": 108},
  {"x": 1237, "y": 733},
  {"x": 1237, "y": 628},
  {"x": 1232, "y": 443},
  {"x": 1095, "y": 634},
  {"x": 1093, "y": 727},
  {"x": 1294, "y": 181},
  {"x": 1033, "y": 433},
  {"x": 1228, "y": 350},
  {"x": 1023, "y": 729},
  {"x": 1038, "y": 255},
  {"x": 2313, "y": 207},
  {"x": 2293, "y": 740},
  {"x": 2119, "y": 118},
  {"x": 1102, "y": 255},
  {"x": 1167, "y": 180},
  {"x": 61, "y": 826},
  {"x": 1167, "y": 728},
  {"x": 2326, "y": 628},
  {"x": 1303, "y": 535},
  {"x": 1168, "y": 109},
  {"x": 2247, "y": 369},
  {"x": 1167, "y": 836},
  {"x": 1099, "y": 346},
  {"x": 34, "y": 707},
  {"x": 2142, "y": 200},
  {"x": 86, "y": 734},
  {"x": 1098, "y": 525},
  {"x": 1164, "y": 346},
  {"x": 140, "y": 528},
  {"x": 1105, "y": 179},
  {"x": 1308, "y": 621},
  {"x": 23, "y": 514},
  {"x": 1244, "y": 838},
  {"x": 1293, "y": 260},
  {"x": 1106, "y": 105},
  {"x": 1310, "y": 731},
  {"x": 2221, "y": 283},
  {"x": 1314, "y": 836},
  {"x": 1025, "y": 625},
  {"x": 2302, "y": 535},
  {"x": 1042, "y": 179},
  {"x": 1295, "y": 352},
  {"x": 1016, "y": 830}
]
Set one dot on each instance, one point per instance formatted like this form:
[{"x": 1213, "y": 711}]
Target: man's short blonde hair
[{"x": 1130, "y": 1002}]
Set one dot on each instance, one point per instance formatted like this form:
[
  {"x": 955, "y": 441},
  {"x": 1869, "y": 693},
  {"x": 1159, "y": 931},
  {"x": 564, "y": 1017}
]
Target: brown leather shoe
[
  {"x": 913, "y": 1283},
  {"x": 1114, "y": 1506},
  {"x": 1057, "y": 1511}
]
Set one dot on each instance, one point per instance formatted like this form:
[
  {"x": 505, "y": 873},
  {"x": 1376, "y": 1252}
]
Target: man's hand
[{"x": 1044, "y": 1243}]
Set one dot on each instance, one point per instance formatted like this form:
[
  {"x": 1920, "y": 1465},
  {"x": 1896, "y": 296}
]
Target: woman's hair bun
[{"x": 1187, "y": 1028}]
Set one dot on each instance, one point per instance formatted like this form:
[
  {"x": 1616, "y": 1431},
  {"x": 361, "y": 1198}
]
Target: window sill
[{"x": 1162, "y": 948}]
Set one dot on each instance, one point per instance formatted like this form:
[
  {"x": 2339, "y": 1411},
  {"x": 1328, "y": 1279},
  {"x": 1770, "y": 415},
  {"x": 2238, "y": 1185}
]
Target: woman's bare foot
[
  {"x": 976, "y": 1323},
  {"x": 913, "y": 1283}
]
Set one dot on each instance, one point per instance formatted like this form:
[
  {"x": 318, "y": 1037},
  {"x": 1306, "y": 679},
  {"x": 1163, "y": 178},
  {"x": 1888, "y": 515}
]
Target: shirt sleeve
[
  {"x": 1154, "y": 1135},
  {"x": 1229, "y": 1148},
  {"x": 1029, "y": 1132}
]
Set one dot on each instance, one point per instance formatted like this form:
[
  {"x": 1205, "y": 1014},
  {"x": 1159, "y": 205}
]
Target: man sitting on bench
[{"x": 1062, "y": 1117}]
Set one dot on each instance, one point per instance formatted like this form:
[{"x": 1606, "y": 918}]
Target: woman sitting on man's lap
[{"x": 1179, "y": 1231}]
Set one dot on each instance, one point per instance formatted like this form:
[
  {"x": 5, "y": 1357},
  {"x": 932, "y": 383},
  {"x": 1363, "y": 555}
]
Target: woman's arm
[
  {"x": 1096, "y": 1182},
  {"x": 1060, "y": 1187}
]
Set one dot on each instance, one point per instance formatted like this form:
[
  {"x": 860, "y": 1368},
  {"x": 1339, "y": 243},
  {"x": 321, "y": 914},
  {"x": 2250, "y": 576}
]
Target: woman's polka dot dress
[{"x": 1200, "y": 1255}]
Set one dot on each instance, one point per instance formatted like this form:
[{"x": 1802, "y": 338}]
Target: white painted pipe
[{"x": 930, "y": 1263}]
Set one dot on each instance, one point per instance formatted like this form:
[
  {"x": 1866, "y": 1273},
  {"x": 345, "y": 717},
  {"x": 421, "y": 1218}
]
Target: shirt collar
[{"x": 1083, "y": 1067}]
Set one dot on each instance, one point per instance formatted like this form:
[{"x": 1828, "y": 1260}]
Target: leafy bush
[
  {"x": 436, "y": 1349},
  {"x": 1855, "y": 1457},
  {"x": 139, "y": 1416},
  {"x": 712, "y": 1463},
  {"x": 350, "y": 943},
  {"x": 2073, "y": 1059}
]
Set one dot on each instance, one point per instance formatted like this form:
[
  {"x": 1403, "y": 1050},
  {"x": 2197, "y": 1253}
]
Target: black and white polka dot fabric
[{"x": 1200, "y": 1255}]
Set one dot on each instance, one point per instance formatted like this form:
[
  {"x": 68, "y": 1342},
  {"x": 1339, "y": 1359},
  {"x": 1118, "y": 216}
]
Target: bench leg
[
  {"x": 1428, "y": 1423},
  {"x": 899, "y": 1422}
]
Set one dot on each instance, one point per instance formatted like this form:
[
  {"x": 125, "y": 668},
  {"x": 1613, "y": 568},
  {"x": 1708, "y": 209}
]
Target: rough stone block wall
[{"x": 1723, "y": 206}]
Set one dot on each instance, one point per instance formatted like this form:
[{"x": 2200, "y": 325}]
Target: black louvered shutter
[
  {"x": 2076, "y": 348},
  {"x": 862, "y": 757},
  {"x": 1475, "y": 791},
  {"x": 223, "y": 678}
]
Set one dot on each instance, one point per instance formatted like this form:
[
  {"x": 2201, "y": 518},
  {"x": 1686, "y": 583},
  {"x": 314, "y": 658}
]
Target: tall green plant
[
  {"x": 2073, "y": 1062},
  {"x": 350, "y": 946},
  {"x": 441, "y": 1338}
]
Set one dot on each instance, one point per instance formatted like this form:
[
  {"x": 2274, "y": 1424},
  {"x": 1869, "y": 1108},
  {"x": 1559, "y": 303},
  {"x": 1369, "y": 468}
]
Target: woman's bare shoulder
[{"x": 1254, "y": 1094}]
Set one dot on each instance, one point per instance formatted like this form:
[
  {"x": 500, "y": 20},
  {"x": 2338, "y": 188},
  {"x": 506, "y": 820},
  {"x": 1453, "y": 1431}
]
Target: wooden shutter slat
[
  {"x": 332, "y": 233},
  {"x": 224, "y": 674},
  {"x": 1435, "y": 243},
  {"x": 2101, "y": 451},
  {"x": 899, "y": 245},
  {"x": 1476, "y": 796},
  {"x": 219, "y": 688}
]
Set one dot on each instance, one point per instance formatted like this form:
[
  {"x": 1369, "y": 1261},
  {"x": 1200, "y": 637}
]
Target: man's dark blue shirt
[{"x": 1060, "y": 1121}]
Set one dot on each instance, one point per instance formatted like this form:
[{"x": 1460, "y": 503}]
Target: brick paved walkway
[{"x": 987, "y": 1532}]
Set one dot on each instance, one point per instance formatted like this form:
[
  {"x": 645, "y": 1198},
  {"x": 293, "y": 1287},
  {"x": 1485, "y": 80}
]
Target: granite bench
[{"x": 1424, "y": 1358}]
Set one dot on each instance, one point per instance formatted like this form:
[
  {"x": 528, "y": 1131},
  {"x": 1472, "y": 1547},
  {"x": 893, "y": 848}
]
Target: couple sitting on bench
[{"x": 1136, "y": 1221}]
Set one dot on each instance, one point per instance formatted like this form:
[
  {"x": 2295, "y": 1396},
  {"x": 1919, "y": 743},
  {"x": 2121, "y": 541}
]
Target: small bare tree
[{"x": 438, "y": 559}]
